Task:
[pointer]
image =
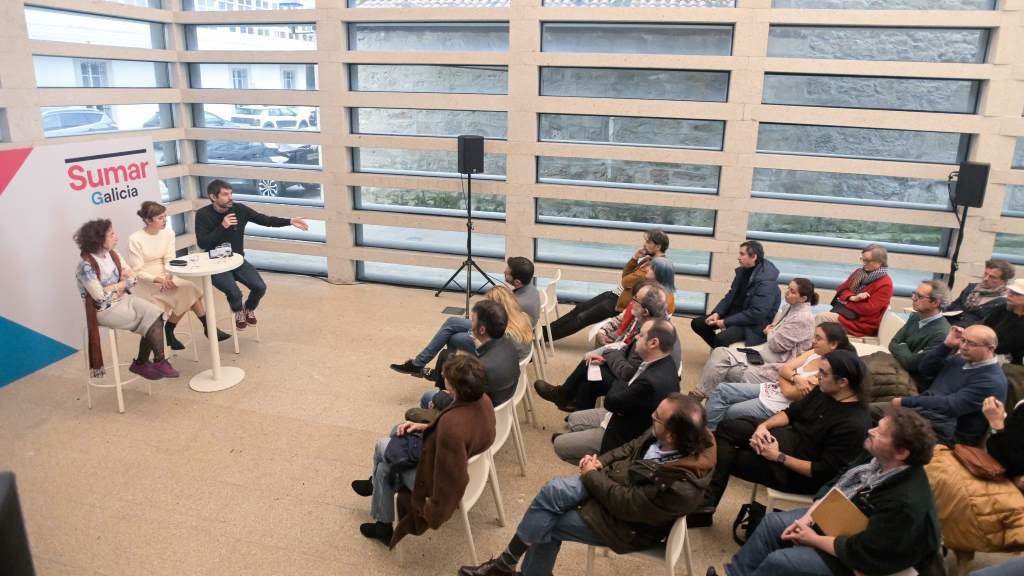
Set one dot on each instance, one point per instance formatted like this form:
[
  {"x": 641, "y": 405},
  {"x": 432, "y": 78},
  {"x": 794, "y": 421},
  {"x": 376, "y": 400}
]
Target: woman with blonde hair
[
  {"x": 149, "y": 251},
  {"x": 519, "y": 329}
]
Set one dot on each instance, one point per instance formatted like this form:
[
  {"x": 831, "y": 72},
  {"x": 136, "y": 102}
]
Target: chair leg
[
  {"x": 469, "y": 534},
  {"x": 192, "y": 338},
  {"x": 258, "y": 333},
  {"x": 687, "y": 556},
  {"x": 88, "y": 373},
  {"x": 590, "y": 561},
  {"x": 115, "y": 363},
  {"x": 496, "y": 490},
  {"x": 517, "y": 439},
  {"x": 551, "y": 339},
  {"x": 234, "y": 333}
]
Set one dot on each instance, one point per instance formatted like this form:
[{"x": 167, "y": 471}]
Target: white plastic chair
[
  {"x": 677, "y": 544},
  {"x": 523, "y": 393},
  {"x": 481, "y": 469},
  {"x": 890, "y": 325},
  {"x": 506, "y": 424},
  {"x": 540, "y": 352},
  {"x": 549, "y": 306},
  {"x": 776, "y": 496},
  {"x": 114, "y": 368}
]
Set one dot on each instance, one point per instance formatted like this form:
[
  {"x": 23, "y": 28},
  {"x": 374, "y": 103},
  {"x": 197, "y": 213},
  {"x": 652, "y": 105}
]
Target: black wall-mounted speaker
[
  {"x": 971, "y": 184},
  {"x": 471, "y": 154}
]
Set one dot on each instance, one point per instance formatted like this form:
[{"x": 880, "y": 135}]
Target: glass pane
[
  {"x": 243, "y": 76},
  {"x": 428, "y": 3},
  {"x": 60, "y": 26},
  {"x": 635, "y": 83},
  {"x": 222, "y": 5},
  {"x": 615, "y": 256},
  {"x": 576, "y": 291},
  {"x": 430, "y": 202},
  {"x": 270, "y": 191},
  {"x": 178, "y": 224},
  {"x": 469, "y": 79},
  {"x": 426, "y": 240},
  {"x": 854, "y": 43},
  {"x": 249, "y": 153},
  {"x": 870, "y": 143},
  {"x": 696, "y": 221},
  {"x": 76, "y": 120},
  {"x": 1014, "y": 205},
  {"x": 284, "y": 262},
  {"x": 419, "y": 276},
  {"x": 140, "y": 3},
  {"x": 66, "y": 72},
  {"x": 917, "y": 94},
  {"x": 432, "y": 37},
  {"x": 627, "y": 38},
  {"x": 829, "y": 275},
  {"x": 699, "y": 179},
  {"x": 851, "y": 188},
  {"x": 1018, "y": 153},
  {"x": 420, "y": 122},
  {"x": 633, "y": 131},
  {"x": 640, "y": 3},
  {"x": 251, "y": 37},
  {"x": 317, "y": 231},
  {"x": 1009, "y": 247},
  {"x": 421, "y": 163},
  {"x": 170, "y": 189},
  {"x": 166, "y": 152},
  {"x": 256, "y": 117},
  {"x": 847, "y": 233},
  {"x": 888, "y": 4}
]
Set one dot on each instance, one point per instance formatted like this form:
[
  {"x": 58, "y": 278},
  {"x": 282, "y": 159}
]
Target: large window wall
[{"x": 804, "y": 124}]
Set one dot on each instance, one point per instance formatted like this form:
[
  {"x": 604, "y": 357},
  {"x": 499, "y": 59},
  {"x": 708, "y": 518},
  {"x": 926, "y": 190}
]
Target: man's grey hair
[
  {"x": 940, "y": 293},
  {"x": 878, "y": 254},
  {"x": 655, "y": 301}
]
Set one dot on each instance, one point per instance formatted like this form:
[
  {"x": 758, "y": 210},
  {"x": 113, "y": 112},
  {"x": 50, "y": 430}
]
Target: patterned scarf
[
  {"x": 96, "y": 369},
  {"x": 865, "y": 477},
  {"x": 862, "y": 278},
  {"x": 981, "y": 295}
]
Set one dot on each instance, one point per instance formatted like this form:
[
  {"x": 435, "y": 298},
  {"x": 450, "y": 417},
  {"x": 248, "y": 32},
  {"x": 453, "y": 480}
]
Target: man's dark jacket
[
  {"x": 631, "y": 405},
  {"x": 760, "y": 302}
]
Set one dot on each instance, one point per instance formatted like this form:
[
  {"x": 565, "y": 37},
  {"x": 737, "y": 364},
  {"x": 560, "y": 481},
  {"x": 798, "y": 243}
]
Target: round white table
[{"x": 201, "y": 265}]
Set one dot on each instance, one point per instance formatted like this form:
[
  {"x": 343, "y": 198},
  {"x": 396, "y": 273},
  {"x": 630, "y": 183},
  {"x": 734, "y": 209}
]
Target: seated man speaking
[
  {"x": 891, "y": 490},
  {"x": 626, "y": 499}
]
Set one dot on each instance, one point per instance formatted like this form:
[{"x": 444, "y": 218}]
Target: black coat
[
  {"x": 631, "y": 405},
  {"x": 760, "y": 302}
]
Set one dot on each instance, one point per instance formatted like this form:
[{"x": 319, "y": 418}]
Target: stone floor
[{"x": 255, "y": 480}]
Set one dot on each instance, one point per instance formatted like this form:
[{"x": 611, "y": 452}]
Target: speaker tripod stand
[{"x": 468, "y": 264}]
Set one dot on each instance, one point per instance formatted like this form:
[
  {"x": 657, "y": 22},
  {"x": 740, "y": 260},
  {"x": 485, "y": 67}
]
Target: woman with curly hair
[{"x": 105, "y": 284}]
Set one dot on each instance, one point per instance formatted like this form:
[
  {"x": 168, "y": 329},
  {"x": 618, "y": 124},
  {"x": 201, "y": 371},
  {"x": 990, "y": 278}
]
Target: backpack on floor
[{"x": 748, "y": 519}]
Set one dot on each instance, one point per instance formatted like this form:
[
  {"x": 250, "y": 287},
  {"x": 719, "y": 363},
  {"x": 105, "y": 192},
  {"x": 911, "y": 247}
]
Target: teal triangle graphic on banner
[{"x": 23, "y": 351}]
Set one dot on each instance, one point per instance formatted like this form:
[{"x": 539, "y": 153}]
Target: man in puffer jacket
[{"x": 626, "y": 499}]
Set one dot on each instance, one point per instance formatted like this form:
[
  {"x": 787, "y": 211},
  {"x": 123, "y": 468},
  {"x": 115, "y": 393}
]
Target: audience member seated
[
  {"x": 223, "y": 221},
  {"x": 629, "y": 403},
  {"x": 1008, "y": 323},
  {"x": 794, "y": 380},
  {"x": 617, "y": 360},
  {"x": 627, "y": 499},
  {"x": 891, "y": 489},
  {"x": 789, "y": 335},
  {"x": 105, "y": 283},
  {"x": 980, "y": 299},
  {"x": 455, "y": 333},
  {"x": 663, "y": 272},
  {"x": 801, "y": 447},
  {"x": 149, "y": 251},
  {"x": 748, "y": 306},
  {"x": 437, "y": 473},
  {"x": 608, "y": 304},
  {"x": 968, "y": 372},
  {"x": 518, "y": 330},
  {"x": 864, "y": 297},
  {"x": 497, "y": 354},
  {"x": 1006, "y": 437}
]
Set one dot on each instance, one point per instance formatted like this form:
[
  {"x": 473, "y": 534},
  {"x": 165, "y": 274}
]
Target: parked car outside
[{"x": 72, "y": 120}]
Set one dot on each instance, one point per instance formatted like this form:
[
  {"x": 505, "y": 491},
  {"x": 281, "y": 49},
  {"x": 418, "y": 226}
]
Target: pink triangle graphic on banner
[{"x": 10, "y": 163}]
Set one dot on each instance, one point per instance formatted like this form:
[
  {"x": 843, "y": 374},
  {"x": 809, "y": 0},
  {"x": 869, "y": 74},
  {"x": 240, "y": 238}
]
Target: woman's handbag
[
  {"x": 979, "y": 463},
  {"x": 841, "y": 309}
]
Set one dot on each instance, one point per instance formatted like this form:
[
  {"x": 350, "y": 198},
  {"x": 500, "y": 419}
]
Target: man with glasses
[
  {"x": 968, "y": 372},
  {"x": 923, "y": 332},
  {"x": 980, "y": 299}
]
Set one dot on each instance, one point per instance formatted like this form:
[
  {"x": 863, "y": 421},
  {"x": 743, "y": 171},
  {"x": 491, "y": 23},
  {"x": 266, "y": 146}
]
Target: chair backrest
[
  {"x": 526, "y": 361},
  {"x": 521, "y": 384},
  {"x": 551, "y": 292},
  {"x": 502, "y": 424},
  {"x": 890, "y": 325},
  {"x": 675, "y": 542},
  {"x": 479, "y": 468}
]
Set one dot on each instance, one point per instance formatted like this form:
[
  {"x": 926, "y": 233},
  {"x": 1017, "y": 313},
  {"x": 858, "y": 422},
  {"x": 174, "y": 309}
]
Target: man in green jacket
[
  {"x": 626, "y": 499},
  {"x": 925, "y": 330},
  {"x": 891, "y": 490}
]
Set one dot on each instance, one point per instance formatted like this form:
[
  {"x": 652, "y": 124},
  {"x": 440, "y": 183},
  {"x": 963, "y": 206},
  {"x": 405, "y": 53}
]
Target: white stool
[
  {"x": 114, "y": 367},
  {"x": 234, "y": 331}
]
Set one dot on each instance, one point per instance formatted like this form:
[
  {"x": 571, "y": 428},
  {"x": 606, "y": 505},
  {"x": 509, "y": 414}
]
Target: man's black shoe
[
  {"x": 701, "y": 517},
  {"x": 408, "y": 367},
  {"x": 711, "y": 571},
  {"x": 489, "y": 568},
  {"x": 378, "y": 531},
  {"x": 553, "y": 394},
  {"x": 363, "y": 487}
]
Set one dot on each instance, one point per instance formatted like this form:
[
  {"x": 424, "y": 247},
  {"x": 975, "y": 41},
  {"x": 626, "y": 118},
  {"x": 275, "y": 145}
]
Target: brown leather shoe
[
  {"x": 549, "y": 392},
  {"x": 489, "y": 568}
]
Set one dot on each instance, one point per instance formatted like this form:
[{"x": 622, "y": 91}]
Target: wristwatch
[{"x": 781, "y": 458}]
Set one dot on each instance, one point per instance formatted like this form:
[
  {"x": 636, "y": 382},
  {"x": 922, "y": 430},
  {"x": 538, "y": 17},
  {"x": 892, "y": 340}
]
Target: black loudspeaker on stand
[
  {"x": 966, "y": 188},
  {"x": 471, "y": 161}
]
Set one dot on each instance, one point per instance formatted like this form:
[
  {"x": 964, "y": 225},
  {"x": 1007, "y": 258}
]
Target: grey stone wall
[
  {"x": 429, "y": 37},
  {"x": 419, "y": 122},
  {"x": 668, "y": 132},
  {"x": 635, "y": 173},
  {"x": 417, "y": 198},
  {"x": 887, "y": 4},
  {"x": 852, "y": 43},
  {"x": 917, "y": 94},
  {"x": 647, "y": 84},
  {"x": 466, "y": 79},
  {"x": 438, "y": 161},
  {"x": 626, "y": 38},
  {"x": 907, "y": 145},
  {"x": 626, "y": 213},
  {"x": 861, "y": 187},
  {"x": 925, "y": 236}
]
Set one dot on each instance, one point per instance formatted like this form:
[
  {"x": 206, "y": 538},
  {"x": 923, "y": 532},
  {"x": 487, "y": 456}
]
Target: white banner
[{"x": 46, "y": 194}]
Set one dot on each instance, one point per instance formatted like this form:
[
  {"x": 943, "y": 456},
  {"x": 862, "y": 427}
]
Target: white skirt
[
  {"x": 173, "y": 302},
  {"x": 130, "y": 313}
]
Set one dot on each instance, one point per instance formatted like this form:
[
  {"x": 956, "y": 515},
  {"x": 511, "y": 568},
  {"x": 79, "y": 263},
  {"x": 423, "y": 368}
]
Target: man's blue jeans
[
  {"x": 454, "y": 333},
  {"x": 249, "y": 277},
  {"x": 734, "y": 400},
  {"x": 551, "y": 519},
  {"x": 382, "y": 503},
  {"x": 1009, "y": 568},
  {"x": 765, "y": 554}
]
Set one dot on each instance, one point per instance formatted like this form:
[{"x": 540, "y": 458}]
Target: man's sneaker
[
  {"x": 363, "y": 487},
  {"x": 408, "y": 367},
  {"x": 240, "y": 322},
  {"x": 489, "y": 568},
  {"x": 250, "y": 317},
  {"x": 145, "y": 369},
  {"x": 165, "y": 369}
]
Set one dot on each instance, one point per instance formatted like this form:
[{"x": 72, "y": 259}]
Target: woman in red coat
[{"x": 865, "y": 294}]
